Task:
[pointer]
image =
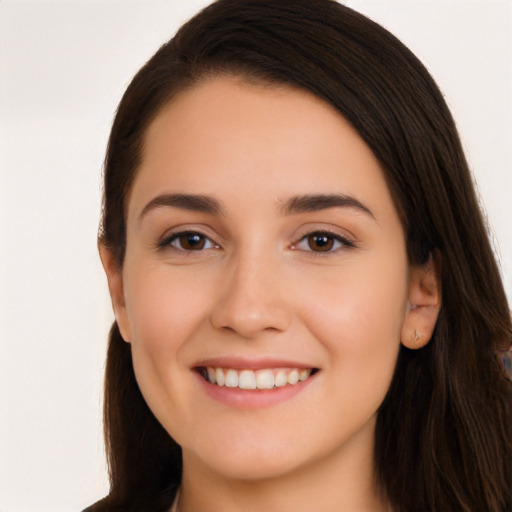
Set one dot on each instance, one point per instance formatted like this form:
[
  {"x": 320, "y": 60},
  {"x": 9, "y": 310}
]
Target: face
[{"x": 263, "y": 251}]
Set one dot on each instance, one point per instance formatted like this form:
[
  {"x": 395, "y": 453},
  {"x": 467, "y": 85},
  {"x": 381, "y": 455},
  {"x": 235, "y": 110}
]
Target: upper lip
[{"x": 242, "y": 363}]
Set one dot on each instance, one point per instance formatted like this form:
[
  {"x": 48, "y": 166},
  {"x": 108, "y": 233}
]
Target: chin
[{"x": 250, "y": 461}]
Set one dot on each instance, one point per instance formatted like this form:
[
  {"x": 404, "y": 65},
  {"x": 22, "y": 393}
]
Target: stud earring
[{"x": 417, "y": 335}]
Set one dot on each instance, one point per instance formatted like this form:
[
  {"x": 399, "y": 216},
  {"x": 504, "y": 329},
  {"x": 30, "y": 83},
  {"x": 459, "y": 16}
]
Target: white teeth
[
  {"x": 247, "y": 380},
  {"x": 231, "y": 379},
  {"x": 304, "y": 374},
  {"x": 267, "y": 378},
  {"x": 264, "y": 379},
  {"x": 280, "y": 379},
  {"x": 219, "y": 377},
  {"x": 293, "y": 377}
]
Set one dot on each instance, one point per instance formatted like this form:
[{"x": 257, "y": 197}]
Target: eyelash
[
  {"x": 173, "y": 237},
  {"x": 331, "y": 238}
]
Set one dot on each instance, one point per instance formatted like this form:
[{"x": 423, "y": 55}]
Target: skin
[{"x": 260, "y": 287}]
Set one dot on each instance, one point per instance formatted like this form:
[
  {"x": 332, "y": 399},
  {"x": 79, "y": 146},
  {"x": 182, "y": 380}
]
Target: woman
[{"x": 308, "y": 309}]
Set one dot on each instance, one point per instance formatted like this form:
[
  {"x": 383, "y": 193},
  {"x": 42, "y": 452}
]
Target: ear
[
  {"x": 424, "y": 303},
  {"x": 116, "y": 289}
]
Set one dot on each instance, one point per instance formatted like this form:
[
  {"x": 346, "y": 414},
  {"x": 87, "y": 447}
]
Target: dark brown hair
[{"x": 443, "y": 438}]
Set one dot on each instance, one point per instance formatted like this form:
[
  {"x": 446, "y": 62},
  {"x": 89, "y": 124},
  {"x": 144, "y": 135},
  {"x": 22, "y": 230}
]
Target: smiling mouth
[{"x": 268, "y": 378}]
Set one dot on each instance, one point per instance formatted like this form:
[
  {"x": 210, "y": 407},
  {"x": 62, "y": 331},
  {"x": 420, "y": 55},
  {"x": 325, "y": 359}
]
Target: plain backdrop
[{"x": 63, "y": 68}]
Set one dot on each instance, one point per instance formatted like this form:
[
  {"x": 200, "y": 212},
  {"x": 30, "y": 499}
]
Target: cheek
[
  {"x": 358, "y": 317},
  {"x": 164, "y": 312},
  {"x": 164, "y": 308}
]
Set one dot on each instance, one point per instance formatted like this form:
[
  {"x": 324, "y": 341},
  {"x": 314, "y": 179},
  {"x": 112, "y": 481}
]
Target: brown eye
[
  {"x": 191, "y": 241},
  {"x": 188, "y": 241},
  {"x": 323, "y": 242},
  {"x": 320, "y": 242}
]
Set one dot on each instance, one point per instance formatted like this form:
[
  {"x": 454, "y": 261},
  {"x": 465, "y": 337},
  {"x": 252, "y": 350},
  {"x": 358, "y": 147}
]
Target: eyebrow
[
  {"x": 312, "y": 203},
  {"x": 293, "y": 205},
  {"x": 197, "y": 203}
]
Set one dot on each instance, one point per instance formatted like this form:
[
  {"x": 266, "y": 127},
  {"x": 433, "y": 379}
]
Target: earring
[{"x": 417, "y": 335}]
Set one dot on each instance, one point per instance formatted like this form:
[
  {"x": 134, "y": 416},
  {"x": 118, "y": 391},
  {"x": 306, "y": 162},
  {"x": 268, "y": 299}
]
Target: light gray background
[{"x": 63, "y": 68}]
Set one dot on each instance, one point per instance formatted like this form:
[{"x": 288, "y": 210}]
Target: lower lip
[{"x": 253, "y": 398}]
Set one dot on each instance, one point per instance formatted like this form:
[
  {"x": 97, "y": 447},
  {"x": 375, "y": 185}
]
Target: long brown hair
[{"x": 443, "y": 439}]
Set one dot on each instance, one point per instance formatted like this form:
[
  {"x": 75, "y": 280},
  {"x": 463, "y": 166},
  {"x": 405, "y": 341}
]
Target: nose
[{"x": 251, "y": 299}]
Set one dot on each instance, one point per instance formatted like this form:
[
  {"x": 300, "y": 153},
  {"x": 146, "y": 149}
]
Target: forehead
[{"x": 229, "y": 138}]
